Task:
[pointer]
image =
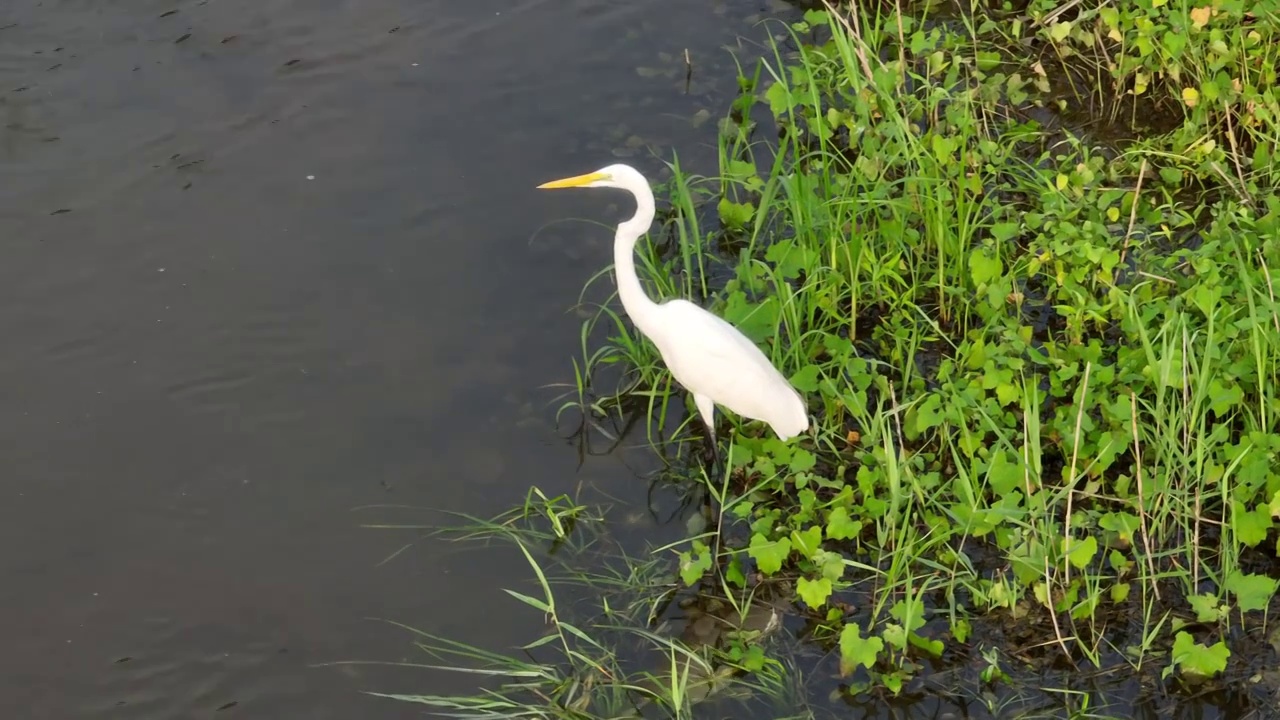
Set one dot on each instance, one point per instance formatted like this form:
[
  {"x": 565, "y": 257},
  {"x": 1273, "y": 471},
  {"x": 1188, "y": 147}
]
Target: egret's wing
[{"x": 710, "y": 357}]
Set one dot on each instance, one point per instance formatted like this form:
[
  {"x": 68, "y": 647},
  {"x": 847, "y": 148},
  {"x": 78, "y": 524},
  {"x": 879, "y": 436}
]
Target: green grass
[{"x": 1043, "y": 360}]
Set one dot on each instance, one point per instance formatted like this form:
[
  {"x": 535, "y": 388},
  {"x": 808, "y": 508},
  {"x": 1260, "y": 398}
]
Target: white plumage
[{"x": 712, "y": 359}]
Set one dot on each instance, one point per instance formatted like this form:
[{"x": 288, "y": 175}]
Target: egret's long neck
[{"x": 637, "y": 304}]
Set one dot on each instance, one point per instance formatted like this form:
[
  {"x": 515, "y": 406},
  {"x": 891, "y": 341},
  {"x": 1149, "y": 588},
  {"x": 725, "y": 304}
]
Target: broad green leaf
[
  {"x": 909, "y": 612},
  {"x": 802, "y": 461},
  {"x": 856, "y": 650},
  {"x": 1082, "y": 552},
  {"x": 769, "y": 554},
  {"x": 832, "y": 565},
  {"x": 806, "y": 379},
  {"x": 984, "y": 268},
  {"x": 1120, "y": 592},
  {"x": 932, "y": 646},
  {"x": 1252, "y": 592},
  {"x": 734, "y": 215},
  {"x": 814, "y": 592},
  {"x": 1003, "y": 232},
  {"x": 816, "y": 17},
  {"x": 734, "y": 573},
  {"x": 841, "y": 527},
  {"x": 1250, "y": 526},
  {"x": 1207, "y": 608},
  {"x": 695, "y": 563},
  {"x": 779, "y": 99},
  {"x": 1197, "y": 660},
  {"x": 807, "y": 543},
  {"x": 929, "y": 413},
  {"x": 1004, "y": 474}
]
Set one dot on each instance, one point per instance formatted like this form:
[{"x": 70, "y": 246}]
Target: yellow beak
[{"x": 575, "y": 181}]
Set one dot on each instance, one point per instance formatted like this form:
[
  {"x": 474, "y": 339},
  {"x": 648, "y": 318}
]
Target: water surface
[{"x": 267, "y": 261}]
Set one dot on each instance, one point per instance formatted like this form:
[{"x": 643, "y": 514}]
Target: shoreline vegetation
[{"x": 1021, "y": 259}]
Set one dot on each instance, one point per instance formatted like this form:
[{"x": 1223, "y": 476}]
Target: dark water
[{"x": 267, "y": 261}]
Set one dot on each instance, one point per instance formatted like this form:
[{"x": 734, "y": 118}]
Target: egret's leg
[{"x": 707, "y": 409}]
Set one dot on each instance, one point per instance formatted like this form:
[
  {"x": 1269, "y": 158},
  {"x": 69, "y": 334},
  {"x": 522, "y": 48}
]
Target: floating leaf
[
  {"x": 856, "y": 650},
  {"x": 734, "y": 215},
  {"x": 694, "y": 564}
]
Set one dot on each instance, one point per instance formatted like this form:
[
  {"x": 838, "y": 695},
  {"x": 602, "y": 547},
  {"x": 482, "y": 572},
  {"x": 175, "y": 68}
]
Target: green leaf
[
  {"x": 779, "y": 99},
  {"x": 982, "y": 268},
  {"x": 1207, "y": 608},
  {"x": 909, "y": 612},
  {"x": 1253, "y": 592},
  {"x": 806, "y": 379},
  {"x": 1224, "y": 397},
  {"x": 841, "y": 527},
  {"x": 740, "y": 170},
  {"x": 816, "y": 17},
  {"x": 832, "y": 565},
  {"x": 1003, "y": 232},
  {"x": 1082, "y": 552},
  {"x": 934, "y": 647},
  {"x": 814, "y": 592},
  {"x": 1123, "y": 524},
  {"x": 1120, "y": 592},
  {"x": 1196, "y": 659},
  {"x": 790, "y": 259},
  {"x": 895, "y": 635},
  {"x": 802, "y": 461},
  {"x": 1059, "y": 31},
  {"x": 734, "y": 573},
  {"x": 735, "y": 216},
  {"x": 768, "y": 554},
  {"x": 694, "y": 564},
  {"x": 856, "y": 650},
  {"x": 807, "y": 543},
  {"x": 1250, "y": 526},
  {"x": 929, "y": 413},
  {"x": 1004, "y": 474}
]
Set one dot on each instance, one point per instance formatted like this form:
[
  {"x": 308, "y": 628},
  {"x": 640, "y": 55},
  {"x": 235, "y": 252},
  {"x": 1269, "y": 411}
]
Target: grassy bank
[{"x": 1022, "y": 263}]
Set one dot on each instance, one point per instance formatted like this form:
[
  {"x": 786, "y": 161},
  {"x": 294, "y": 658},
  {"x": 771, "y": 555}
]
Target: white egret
[{"x": 712, "y": 359}]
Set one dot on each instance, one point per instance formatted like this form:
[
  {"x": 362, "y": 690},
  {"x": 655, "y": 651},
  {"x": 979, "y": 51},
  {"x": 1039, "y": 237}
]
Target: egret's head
[{"x": 623, "y": 177}]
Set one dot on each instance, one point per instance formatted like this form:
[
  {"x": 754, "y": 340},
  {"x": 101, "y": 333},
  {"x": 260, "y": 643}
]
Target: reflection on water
[{"x": 267, "y": 261}]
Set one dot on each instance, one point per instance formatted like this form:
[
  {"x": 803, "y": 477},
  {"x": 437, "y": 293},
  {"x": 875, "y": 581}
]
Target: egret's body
[{"x": 712, "y": 359}]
